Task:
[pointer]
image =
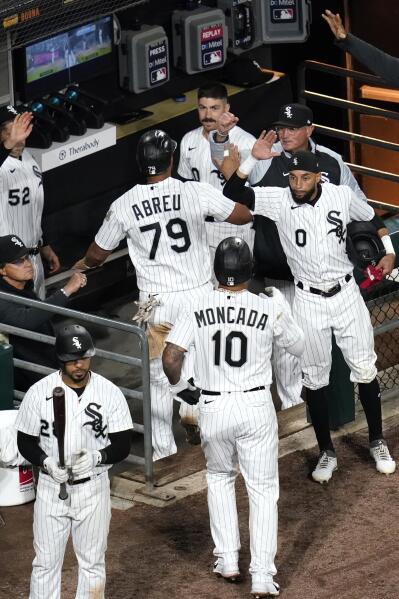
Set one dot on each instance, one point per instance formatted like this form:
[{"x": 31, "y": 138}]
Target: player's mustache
[{"x": 208, "y": 121}]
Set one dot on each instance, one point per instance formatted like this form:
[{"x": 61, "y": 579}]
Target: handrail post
[{"x": 145, "y": 373}]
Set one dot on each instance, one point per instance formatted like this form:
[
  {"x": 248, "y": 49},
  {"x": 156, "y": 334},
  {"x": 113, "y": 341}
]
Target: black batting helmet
[
  {"x": 73, "y": 342},
  {"x": 154, "y": 151},
  {"x": 363, "y": 244},
  {"x": 233, "y": 262}
]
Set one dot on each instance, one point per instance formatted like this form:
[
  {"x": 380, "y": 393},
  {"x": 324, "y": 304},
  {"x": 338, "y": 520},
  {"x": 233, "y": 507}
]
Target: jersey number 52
[{"x": 176, "y": 229}]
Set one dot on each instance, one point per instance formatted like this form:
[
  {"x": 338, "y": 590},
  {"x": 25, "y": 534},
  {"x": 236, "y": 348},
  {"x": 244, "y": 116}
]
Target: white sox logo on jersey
[
  {"x": 338, "y": 229},
  {"x": 38, "y": 173},
  {"x": 288, "y": 112},
  {"x": 96, "y": 421},
  {"x": 76, "y": 342}
]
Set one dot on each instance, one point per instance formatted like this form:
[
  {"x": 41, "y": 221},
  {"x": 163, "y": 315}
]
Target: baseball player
[
  {"x": 294, "y": 128},
  {"x": 232, "y": 331},
  {"x": 312, "y": 220},
  {"x": 21, "y": 198},
  {"x": 196, "y": 161},
  {"x": 163, "y": 221},
  {"x": 97, "y": 434},
  {"x": 20, "y": 129}
]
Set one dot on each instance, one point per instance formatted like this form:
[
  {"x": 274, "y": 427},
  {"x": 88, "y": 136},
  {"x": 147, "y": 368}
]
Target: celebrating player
[
  {"x": 19, "y": 131},
  {"x": 163, "y": 221},
  {"x": 21, "y": 197},
  {"x": 312, "y": 220},
  {"x": 233, "y": 332},
  {"x": 97, "y": 434},
  {"x": 195, "y": 155},
  {"x": 294, "y": 129}
]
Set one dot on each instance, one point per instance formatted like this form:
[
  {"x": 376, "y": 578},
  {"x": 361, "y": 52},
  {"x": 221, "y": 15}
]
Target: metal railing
[
  {"x": 306, "y": 94},
  {"x": 143, "y": 362}
]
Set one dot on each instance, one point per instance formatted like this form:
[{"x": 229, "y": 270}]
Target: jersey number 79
[{"x": 176, "y": 228}]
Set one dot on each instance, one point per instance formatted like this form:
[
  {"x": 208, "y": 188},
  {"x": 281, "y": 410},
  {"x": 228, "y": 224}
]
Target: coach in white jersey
[
  {"x": 97, "y": 434},
  {"x": 312, "y": 221},
  {"x": 195, "y": 156},
  {"x": 164, "y": 223},
  {"x": 21, "y": 200},
  {"x": 233, "y": 331}
]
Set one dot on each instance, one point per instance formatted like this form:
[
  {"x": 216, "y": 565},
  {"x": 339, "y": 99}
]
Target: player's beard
[{"x": 306, "y": 197}]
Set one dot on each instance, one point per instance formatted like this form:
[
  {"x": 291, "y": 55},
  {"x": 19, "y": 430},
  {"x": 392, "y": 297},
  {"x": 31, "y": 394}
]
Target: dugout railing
[
  {"x": 383, "y": 299},
  {"x": 142, "y": 362}
]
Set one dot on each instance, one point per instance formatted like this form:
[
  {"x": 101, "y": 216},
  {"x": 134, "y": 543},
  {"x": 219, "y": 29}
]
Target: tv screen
[{"x": 69, "y": 57}]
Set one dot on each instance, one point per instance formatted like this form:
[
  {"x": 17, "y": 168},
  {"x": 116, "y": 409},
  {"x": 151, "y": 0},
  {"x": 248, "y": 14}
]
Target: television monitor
[{"x": 72, "y": 56}]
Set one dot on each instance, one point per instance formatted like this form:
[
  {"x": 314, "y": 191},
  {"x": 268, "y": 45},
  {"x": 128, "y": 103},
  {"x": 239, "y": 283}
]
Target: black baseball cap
[
  {"x": 7, "y": 113},
  {"x": 294, "y": 115},
  {"x": 304, "y": 161},
  {"x": 11, "y": 248}
]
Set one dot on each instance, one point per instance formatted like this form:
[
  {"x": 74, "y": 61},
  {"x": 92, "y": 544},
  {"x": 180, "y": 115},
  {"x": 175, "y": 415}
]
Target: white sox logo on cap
[
  {"x": 17, "y": 241},
  {"x": 288, "y": 112},
  {"x": 76, "y": 342},
  {"x": 12, "y": 109},
  {"x": 295, "y": 161}
]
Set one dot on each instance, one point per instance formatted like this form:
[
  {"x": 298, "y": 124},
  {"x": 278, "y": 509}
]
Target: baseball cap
[
  {"x": 304, "y": 161},
  {"x": 7, "y": 113},
  {"x": 11, "y": 248},
  {"x": 294, "y": 115}
]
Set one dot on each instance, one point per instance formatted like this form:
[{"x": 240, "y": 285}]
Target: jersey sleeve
[
  {"x": 28, "y": 418},
  {"x": 214, "y": 203},
  {"x": 359, "y": 209},
  {"x": 268, "y": 202},
  {"x": 182, "y": 333},
  {"x": 184, "y": 168},
  {"x": 111, "y": 231},
  {"x": 119, "y": 418}
]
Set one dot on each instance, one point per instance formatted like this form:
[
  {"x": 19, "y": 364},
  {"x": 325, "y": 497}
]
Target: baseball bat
[{"x": 59, "y": 430}]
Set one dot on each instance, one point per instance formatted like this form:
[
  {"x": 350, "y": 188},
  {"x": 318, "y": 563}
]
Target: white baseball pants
[
  {"x": 346, "y": 315},
  {"x": 86, "y": 514},
  {"x": 241, "y": 429}
]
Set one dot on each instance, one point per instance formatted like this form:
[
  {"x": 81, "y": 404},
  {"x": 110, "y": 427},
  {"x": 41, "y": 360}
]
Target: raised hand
[
  {"x": 335, "y": 24},
  {"x": 225, "y": 123},
  {"x": 20, "y": 129},
  {"x": 263, "y": 147}
]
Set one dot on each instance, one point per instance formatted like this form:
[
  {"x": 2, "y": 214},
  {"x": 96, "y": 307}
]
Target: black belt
[
  {"x": 34, "y": 251},
  {"x": 330, "y": 292},
  {"x": 73, "y": 482},
  {"x": 205, "y": 392}
]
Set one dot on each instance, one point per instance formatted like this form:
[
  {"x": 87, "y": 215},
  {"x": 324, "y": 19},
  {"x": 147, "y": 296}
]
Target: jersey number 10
[{"x": 228, "y": 352}]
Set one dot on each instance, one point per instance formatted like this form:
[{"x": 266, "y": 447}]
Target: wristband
[
  {"x": 224, "y": 135},
  {"x": 387, "y": 243},
  {"x": 180, "y": 386},
  {"x": 247, "y": 166}
]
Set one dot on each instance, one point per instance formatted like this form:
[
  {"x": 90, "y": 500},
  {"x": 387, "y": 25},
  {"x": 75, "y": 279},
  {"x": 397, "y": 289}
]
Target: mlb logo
[
  {"x": 159, "y": 75},
  {"x": 213, "y": 57}
]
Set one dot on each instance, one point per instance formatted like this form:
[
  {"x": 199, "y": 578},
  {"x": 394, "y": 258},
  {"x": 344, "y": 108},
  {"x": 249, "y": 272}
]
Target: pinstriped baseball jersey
[
  {"x": 166, "y": 236},
  {"x": 100, "y": 410},
  {"x": 233, "y": 335},
  {"x": 21, "y": 199},
  {"x": 195, "y": 163},
  {"x": 313, "y": 236}
]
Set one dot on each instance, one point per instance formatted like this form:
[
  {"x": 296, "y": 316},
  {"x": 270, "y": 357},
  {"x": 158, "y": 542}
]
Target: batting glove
[
  {"x": 187, "y": 391},
  {"x": 59, "y": 475},
  {"x": 87, "y": 460}
]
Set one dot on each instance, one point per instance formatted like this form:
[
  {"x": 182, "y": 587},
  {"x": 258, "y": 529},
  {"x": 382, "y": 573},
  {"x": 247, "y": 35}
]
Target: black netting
[
  {"x": 30, "y": 20},
  {"x": 383, "y": 305}
]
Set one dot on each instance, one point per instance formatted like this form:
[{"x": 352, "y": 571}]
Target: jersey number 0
[{"x": 176, "y": 229}]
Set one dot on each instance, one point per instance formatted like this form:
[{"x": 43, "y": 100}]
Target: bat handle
[{"x": 63, "y": 492}]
